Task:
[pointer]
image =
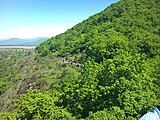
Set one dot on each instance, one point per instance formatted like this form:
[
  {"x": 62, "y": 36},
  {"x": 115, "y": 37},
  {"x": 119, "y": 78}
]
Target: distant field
[{"x": 16, "y": 47}]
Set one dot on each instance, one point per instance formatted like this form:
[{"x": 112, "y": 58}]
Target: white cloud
[{"x": 33, "y": 31}]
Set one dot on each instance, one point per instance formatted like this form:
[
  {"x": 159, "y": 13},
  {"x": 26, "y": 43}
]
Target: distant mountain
[
  {"x": 12, "y": 41},
  {"x": 17, "y": 41}
]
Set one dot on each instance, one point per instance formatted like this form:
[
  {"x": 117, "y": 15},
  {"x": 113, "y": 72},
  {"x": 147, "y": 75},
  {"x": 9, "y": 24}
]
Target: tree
[
  {"x": 124, "y": 81},
  {"x": 40, "y": 106},
  {"x": 115, "y": 113}
]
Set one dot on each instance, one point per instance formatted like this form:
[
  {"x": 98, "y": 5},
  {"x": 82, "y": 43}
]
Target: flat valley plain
[{"x": 16, "y": 47}]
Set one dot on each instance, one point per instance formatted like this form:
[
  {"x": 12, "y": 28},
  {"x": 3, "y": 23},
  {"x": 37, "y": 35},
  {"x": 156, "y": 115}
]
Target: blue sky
[{"x": 44, "y": 18}]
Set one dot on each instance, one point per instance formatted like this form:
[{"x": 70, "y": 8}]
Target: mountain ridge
[
  {"x": 18, "y": 41},
  {"x": 117, "y": 54},
  {"x": 135, "y": 23}
]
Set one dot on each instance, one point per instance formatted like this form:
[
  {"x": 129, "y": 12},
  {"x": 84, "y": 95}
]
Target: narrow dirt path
[{"x": 70, "y": 62}]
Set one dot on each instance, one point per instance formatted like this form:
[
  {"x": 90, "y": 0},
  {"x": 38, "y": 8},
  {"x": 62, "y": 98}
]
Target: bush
[
  {"x": 113, "y": 114},
  {"x": 40, "y": 106},
  {"x": 125, "y": 81}
]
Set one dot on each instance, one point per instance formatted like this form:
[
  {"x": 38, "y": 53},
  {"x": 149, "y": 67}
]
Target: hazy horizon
[
  {"x": 33, "y": 18},
  {"x": 24, "y": 38}
]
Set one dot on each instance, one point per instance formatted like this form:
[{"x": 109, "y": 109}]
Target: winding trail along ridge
[{"x": 70, "y": 62}]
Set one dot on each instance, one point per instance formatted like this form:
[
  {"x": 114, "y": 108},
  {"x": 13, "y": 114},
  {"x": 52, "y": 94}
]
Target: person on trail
[{"x": 152, "y": 115}]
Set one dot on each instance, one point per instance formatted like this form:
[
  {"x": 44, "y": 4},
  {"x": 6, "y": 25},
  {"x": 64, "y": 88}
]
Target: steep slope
[
  {"x": 21, "y": 71},
  {"x": 131, "y": 25},
  {"x": 120, "y": 52},
  {"x": 120, "y": 76}
]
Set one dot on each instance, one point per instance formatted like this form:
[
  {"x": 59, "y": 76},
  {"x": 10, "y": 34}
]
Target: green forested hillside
[
  {"x": 131, "y": 25},
  {"x": 120, "y": 50},
  {"x": 20, "y": 71},
  {"x": 120, "y": 76}
]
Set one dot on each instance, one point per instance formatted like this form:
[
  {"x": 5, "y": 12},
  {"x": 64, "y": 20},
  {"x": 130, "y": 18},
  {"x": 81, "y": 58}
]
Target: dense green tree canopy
[
  {"x": 125, "y": 81},
  {"x": 116, "y": 47},
  {"x": 38, "y": 106},
  {"x": 135, "y": 24},
  {"x": 120, "y": 76}
]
